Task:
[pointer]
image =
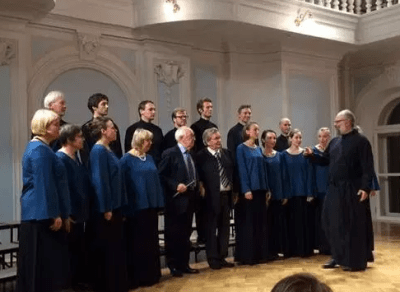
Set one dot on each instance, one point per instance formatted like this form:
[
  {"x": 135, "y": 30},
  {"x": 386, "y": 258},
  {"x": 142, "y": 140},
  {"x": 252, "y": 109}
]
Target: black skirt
[
  {"x": 299, "y": 226},
  {"x": 251, "y": 236},
  {"x": 43, "y": 260},
  {"x": 278, "y": 241},
  {"x": 143, "y": 250},
  {"x": 108, "y": 254}
]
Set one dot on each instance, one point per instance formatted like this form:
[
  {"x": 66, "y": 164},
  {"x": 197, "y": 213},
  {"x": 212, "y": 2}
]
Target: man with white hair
[
  {"x": 345, "y": 213},
  {"x": 55, "y": 101},
  {"x": 180, "y": 179}
]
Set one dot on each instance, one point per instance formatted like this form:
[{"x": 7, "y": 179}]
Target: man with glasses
[
  {"x": 179, "y": 118},
  {"x": 345, "y": 217}
]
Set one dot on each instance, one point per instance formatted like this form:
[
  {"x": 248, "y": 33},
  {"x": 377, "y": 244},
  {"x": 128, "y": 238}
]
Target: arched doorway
[{"x": 388, "y": 138}]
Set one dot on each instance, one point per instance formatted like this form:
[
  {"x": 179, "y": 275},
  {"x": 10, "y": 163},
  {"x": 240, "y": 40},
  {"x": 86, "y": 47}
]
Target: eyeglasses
[
  {"x": 338, "y": 121},
  {"x": 182, "y": 117}
]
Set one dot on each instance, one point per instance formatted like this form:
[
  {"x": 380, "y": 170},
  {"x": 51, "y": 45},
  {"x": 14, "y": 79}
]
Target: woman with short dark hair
[{"x": 71, "y": 140}]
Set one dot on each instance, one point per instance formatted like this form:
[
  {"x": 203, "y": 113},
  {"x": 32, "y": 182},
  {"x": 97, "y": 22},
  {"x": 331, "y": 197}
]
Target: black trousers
[
  {"x": 201, "y": 219},
  {"x": 178, "y": 228},
  {"x": 217, "y": 230}
]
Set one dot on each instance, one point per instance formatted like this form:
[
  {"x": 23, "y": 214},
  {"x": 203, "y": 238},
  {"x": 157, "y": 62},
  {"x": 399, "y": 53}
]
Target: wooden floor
[{"x": 382, "y": 275}]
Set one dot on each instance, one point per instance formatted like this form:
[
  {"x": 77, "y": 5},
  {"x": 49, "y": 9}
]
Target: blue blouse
[
  {"x": 277, "y": 176},
  {"x": 142, "y": 184},
  {"x": 300, "y": 174},
  {"x": 107, "y": 181},
  {"x": 79, "y": 187},
  {"x": 45, "y": 192},
  {"x": 321, "y": 174},
  {"x": 252, "y": 169}
]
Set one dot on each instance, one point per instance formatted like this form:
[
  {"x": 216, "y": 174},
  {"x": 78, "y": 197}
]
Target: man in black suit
[
  {"x": 98, "y": 106},
  {"x": 179, "y": 118},
  {"x": 282, "y": 142},
  {"x": 215, "y": 166},
  {"x": 235, "y": 136},
  {"x": 147, "y": 113},
  {"x": 180, "y": 179},
  {"x": 55, "y": 101},
  {"x": 204, "y": 108}
]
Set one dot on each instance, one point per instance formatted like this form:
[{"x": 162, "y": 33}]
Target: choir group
[{"x": 90, "y": 213}]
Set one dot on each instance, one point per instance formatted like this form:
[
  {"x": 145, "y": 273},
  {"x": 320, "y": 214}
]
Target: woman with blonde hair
[
  {"x": 145, "y": 199},
  {"x": 43, "y": 248}
]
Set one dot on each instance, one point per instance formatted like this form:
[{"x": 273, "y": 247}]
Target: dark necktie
[
  {"x": 192, "y": 176},
  {"x": 222, "y": 175}
]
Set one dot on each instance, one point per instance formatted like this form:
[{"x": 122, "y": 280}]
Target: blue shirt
[
  {"x": 252, "y": 169},
  {"x": 277, "y": 176},
  {"x": 79, "y": 187},
  {"x": 45, "y": 191},
  {"x": 142, "y": 184},
  {"x": 321, "y": 173},
  {"x": 300, "y": 174},
  {"x": 107, "y": 181}
]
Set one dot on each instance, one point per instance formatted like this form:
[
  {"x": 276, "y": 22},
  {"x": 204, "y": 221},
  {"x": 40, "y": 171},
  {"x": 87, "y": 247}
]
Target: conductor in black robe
[
  {"x": 98, "y": 106},
  {"x": 147, "y": 112},
  {"x": 179, "y": 118},
  {"x": 282, "y": 142},
  {"x": 204, "y": 108},
  {"x": 345, "y": 212},
  {"x": 180, "y": 179},
  {"x": 215, "y": 168}
]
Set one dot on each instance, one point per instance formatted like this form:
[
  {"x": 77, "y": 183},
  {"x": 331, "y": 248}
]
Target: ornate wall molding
[
  {"x": 89, "y": 46},
  {"x": 57, "y": 62},
  {"x": 169, "y": 72},
  {"x": 7, "y": 51}
]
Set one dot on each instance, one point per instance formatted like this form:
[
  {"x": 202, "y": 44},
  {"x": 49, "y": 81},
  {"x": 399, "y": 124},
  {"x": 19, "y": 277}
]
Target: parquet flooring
[{"x": 381, "y": 276}]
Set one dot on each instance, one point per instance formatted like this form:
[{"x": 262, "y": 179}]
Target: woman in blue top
[
  {"x": 43, "y": 249},
  {"x": 300, "y": 179},
  {"x": 321, "y": 174},
  {"x": 251, "y": 236},
  {"x": 71, "y": 140},
  {"x": 108, "y": 247},
  {"x": 145, "y": 199},
  {"x": 277, "y": 207}
]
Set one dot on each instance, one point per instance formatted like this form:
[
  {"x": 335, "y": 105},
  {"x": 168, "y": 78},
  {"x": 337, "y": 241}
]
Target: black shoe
[
  {"x": 349, "y": 269},
  {"x": 176, "y": 273},
  {"x": 331, "y": 264},
  {"x": 225, "y": 264},
  {"x": 215, "y": 266},
  {"x": 189, "y": 270}
]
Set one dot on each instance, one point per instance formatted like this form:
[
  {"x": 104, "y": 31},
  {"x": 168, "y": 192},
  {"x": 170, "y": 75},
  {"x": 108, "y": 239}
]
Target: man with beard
[
  {"x": 345, "y": 212},
  {"x": 179, "y": 118}
]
